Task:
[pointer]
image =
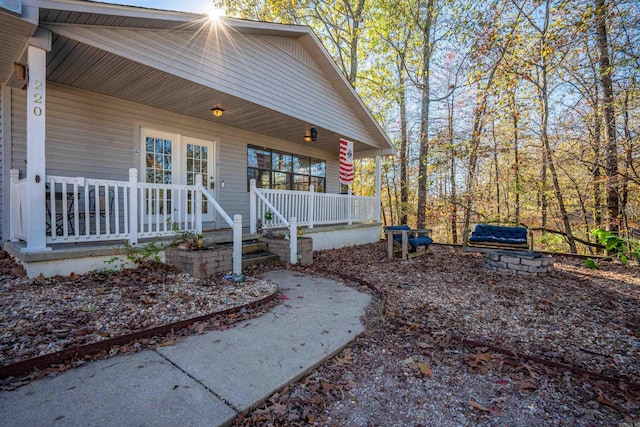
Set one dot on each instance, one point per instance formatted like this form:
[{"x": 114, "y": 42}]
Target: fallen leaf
[
  {"x": 300, "y": 296},
  {"x": 610, "y": 403},
  {"x": 283, "y": 296},
  {"x": 425, "y": 369},
  {"x": 479, "y": 406},
  {"x": 527, "y": 385}
]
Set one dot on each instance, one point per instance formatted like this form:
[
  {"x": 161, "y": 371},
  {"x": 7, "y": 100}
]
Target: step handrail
[
  {"x": 292, "y": 224},
  {"x": 235, "y": 224}
]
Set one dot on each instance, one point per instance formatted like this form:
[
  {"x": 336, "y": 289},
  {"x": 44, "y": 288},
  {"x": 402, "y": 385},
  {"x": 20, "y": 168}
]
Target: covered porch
[{"x": 81, "y": 109}]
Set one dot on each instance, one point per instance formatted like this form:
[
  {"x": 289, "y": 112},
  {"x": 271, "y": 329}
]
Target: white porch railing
[
  {"x": 308, "y": 207},
  {"x": 18, "y": 206},
  {"x": 81, "y": 209},
  {"x": 260, "y": 203}
]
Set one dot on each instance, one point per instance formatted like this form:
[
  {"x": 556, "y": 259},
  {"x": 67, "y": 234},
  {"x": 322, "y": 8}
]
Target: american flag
[{"x": 346, "y": 162}]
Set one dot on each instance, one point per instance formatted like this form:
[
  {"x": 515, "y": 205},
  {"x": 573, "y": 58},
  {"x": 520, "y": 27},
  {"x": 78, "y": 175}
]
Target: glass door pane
[
  {"x": 159, "y": 170},
  {"x": 199, "y": 160}
]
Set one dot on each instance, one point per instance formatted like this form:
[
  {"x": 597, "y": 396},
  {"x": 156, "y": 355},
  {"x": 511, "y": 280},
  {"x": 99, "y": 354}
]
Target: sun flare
[{"x": 216, "y": 12}]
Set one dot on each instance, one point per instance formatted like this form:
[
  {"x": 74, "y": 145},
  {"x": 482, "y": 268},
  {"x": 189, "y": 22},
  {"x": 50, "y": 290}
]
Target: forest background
[{"x": 503, "y": 111}]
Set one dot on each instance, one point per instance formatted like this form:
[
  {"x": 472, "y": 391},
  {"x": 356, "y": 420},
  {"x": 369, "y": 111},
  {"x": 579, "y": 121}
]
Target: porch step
[
  {"x": 258, "y": 258},
  {"x": 248, "y": 246},
  {"x": 254, "y": 252}
]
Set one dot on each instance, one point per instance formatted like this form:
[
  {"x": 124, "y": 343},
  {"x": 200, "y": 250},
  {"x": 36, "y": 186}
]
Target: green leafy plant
[
  {"x": 620, "y": 248},
  {"x": 112, "y": 266},
  {"x": 143, "y": 253}
]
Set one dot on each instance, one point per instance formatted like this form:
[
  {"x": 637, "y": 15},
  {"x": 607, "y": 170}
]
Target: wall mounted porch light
[
  {"x": 20, "y": 71},
  {"x": 217, "y": 112},
  {"x": 311, "y": 135}
]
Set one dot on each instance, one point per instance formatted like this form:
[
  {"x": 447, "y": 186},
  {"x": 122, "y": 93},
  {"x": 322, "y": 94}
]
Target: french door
[{"x": 175, "y": 159}]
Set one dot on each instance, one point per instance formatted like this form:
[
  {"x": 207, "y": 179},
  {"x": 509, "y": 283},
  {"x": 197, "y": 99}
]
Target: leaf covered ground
[
  {"x": 440, "y": 342},
  {"x": 446, "y": 342}
]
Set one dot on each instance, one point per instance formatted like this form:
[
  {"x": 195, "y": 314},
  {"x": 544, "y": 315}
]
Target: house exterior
[{"x": 119, "y": 123}]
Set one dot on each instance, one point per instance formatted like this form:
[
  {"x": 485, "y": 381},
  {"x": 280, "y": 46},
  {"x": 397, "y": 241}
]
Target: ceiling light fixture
[{"x": 217, "y": 112}]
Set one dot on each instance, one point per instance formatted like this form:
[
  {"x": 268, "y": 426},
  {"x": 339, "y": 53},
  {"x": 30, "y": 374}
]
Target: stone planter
[
  {"x": 201, "y": 263},
  {"x": 280, "y": 248}
]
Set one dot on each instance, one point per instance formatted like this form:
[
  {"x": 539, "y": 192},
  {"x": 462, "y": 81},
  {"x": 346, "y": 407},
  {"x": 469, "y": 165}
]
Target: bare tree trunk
[
  {"x": 427, "y": 50},
  {"x": 544, "y": 136},
  {"x": 496, "y": 169},
  {"x": 452, "y": 174},
  {"x": 627, "y": 163},
  {"x": 386, "y": 174},
  {"x": 516, "y": 157},
  {"x": 611, "y": 149},
  {"x": 404, "y": 146},
  {"x": 476, "y": 133},
  {"x": 355, "y": 36},
  {"x": 597, "y": 142},
  {"x": 544, "y": 206}
]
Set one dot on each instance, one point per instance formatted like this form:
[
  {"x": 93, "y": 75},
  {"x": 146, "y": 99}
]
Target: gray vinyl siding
[
  {"x": 272, "y": 72},
  {"x": 95, "y": 136},
  {"x": 19, "y": 131}
]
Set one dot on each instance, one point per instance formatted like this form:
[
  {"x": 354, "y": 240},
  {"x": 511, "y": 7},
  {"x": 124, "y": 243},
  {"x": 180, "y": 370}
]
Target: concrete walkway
[{"x": 207, "y": 379}]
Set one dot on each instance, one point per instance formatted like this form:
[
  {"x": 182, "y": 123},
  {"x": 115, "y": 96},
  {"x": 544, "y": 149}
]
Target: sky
[{"x": 197, "y": 6}]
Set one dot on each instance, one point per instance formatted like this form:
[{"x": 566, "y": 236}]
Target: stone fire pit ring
[{"x": 521, "y": 263}]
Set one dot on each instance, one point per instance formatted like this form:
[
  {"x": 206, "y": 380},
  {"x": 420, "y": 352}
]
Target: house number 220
[{"x": 37, "y": 98}]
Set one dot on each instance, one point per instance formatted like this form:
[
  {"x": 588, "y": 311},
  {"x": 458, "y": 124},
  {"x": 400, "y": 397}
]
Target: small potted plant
[
  {"x": 200, "y": 241},
  {"x": 268, "y": 215}
]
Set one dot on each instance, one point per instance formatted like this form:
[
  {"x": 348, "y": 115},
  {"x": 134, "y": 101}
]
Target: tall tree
[
  {"x": 611, "y": 148},
  {"x": 428, "y": 44}
]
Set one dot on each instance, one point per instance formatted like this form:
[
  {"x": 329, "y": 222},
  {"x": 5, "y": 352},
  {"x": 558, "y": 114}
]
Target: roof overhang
[{"x": 97, "y": 70}]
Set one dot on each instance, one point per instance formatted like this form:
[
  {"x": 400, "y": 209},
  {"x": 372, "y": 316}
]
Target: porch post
[
  {"x": 15, "y": 206},
  {"x": 293, "y": 240},
  {"x": 133, "y": 206},
  {"x": 197, "y": 210},
  {"x": 237, "y": 246},
  {"x": 36, "y": 120},
  {"x": 349, "y": 206},
  {"x": 378, "y": 186},
  {"x": 311, "y": 205},
  {"x": 253, "y": 207}
]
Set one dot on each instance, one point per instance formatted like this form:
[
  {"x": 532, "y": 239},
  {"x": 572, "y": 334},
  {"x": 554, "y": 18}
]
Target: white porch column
[
  {"x": 378, "y": 186},
  {"x": 311, "y": 205},
  {"x": 349, "y": 205},
  {"x": 133, "y": 206},
  {"x": 15, "y": 207},
  {"x": 36, "y": 120},
  {"x": 197, "y": 209},
  {"x": 237, "y": 246},
  {"x": 293, "y": 240},
  {"x": 253, "y": 207}
]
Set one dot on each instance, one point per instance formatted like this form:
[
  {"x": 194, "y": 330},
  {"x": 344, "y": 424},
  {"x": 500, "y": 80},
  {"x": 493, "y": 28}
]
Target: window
[{"x": 285, "y": 171}]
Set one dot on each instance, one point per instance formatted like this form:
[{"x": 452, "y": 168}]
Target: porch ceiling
[{"x": 84, "y": 67}]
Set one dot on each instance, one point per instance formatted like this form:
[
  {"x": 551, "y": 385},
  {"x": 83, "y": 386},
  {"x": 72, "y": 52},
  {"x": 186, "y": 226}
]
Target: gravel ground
[
  {"x": 438, "y": 349},
  {"x": 412, "y": 366}
]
